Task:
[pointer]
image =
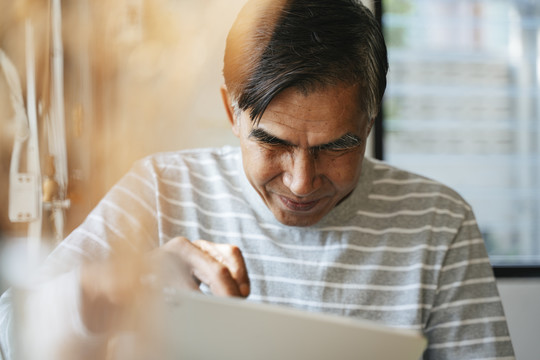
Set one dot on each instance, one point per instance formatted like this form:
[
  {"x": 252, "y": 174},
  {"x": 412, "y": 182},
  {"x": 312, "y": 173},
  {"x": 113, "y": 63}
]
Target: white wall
[{"x": 521, "y": 301}]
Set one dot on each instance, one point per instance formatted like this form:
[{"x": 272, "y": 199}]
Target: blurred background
[
  {"x": 463, "y": 107},
  {"x": 139, "y": 77}
]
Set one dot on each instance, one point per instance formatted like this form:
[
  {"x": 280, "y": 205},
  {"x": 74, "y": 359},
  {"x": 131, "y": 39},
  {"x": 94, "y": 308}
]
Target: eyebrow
[
  {"x": 262, "y": 136},
  {"x": 347, "y": 141}
]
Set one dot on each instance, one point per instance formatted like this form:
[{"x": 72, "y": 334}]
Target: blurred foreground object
[
  {"x": 24, "y": 188},
  {"x": 47, "y": 323},
  {"x": 139, "y": 77},
  {"x": 25, "y": 193}
]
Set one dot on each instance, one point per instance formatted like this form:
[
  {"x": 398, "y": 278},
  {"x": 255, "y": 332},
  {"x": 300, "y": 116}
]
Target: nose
[{"x": 302, "y": 177}]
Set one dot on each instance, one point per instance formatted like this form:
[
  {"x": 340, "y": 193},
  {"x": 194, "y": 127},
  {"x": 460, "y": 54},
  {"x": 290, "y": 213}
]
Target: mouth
[{"x": 299, "y": 206}]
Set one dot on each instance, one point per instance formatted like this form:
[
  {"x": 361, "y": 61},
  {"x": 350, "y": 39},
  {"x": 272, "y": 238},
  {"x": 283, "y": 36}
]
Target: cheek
[
  {"x": 344, "y": 171},
  {"x": 261, "y": 165}
]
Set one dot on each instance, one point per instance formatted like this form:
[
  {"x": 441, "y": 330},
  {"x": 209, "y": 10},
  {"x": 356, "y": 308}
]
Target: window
[{"x": 463, "y": 107}]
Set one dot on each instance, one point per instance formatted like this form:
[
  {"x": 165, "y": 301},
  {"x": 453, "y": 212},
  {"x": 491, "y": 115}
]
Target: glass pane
[{"x": 462, "y": 107}]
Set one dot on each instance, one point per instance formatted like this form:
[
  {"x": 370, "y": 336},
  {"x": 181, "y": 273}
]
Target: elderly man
[{"x": 297, "y": 215}]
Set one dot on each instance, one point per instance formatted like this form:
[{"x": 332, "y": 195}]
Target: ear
[
  {"x": 229, "y": 109},
  {"x": 370, "y": 124}
]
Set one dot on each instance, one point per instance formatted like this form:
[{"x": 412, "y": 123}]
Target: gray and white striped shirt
[{"x": 402, "y": 250}]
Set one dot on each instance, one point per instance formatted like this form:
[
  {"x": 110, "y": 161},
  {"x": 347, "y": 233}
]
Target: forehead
[{"x": 325, "y": 113}]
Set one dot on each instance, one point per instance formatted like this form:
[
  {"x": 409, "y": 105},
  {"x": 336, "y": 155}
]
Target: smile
[{"x": 302, "y": 206}]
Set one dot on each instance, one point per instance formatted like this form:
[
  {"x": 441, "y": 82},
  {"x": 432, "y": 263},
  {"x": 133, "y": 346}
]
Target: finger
[
  {"x": 237, "y": 266},
  {"x": 231, "y": 256},
  {"x": 204, "y": 267}
]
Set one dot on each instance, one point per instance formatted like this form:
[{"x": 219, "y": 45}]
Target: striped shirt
[{"x": 401, "y": 250}]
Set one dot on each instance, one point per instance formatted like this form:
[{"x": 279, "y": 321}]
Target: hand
[
  {"x": 110, "y": 286},
  {"x": 185, "y": 264}
]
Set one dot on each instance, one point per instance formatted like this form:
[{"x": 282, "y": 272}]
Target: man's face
[{"x": 306, "y": 153}]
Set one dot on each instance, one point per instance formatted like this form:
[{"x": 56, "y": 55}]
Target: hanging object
[
  {"x": 24, "y": 187},
  {"x": 56, "y": 180},
  {"x": 23, "y": 194},
  {"x": 28, "y": 195}
]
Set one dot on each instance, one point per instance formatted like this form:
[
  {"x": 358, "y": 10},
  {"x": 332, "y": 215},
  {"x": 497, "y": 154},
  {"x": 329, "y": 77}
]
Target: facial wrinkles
[
  {"x": 295, "y": 117},
  {"x": 291, "y": 107},
  {"x": 342, "y": 145},
  {"x": 308, "y": 134},
  {"x": 280, "y": 152}
]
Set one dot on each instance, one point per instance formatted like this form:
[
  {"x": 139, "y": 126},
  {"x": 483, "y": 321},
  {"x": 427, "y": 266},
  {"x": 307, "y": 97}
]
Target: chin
[{"x": 296, "y": 220}]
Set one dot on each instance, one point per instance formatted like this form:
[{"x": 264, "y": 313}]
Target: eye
[
  {"x": 336, "y": 150},
  {"x": 272, "y": 141},
  {"x": 278, "y": 148}
]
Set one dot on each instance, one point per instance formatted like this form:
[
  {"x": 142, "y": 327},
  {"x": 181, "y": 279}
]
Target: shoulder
[
  {"x": 398, "y": 186},
  {"x": 201, "y": 159}
]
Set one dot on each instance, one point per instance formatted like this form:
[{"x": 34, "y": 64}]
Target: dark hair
[{"x": 307, "y": 44}]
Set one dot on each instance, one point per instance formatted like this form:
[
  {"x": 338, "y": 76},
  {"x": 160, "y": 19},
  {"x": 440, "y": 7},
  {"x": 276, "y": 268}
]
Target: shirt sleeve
[
  {"x": 127, "y": 217},
  {"x": 467, "y": 319}
]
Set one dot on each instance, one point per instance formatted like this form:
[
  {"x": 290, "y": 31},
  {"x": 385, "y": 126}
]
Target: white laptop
[{"x": 202, "y": 327}]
